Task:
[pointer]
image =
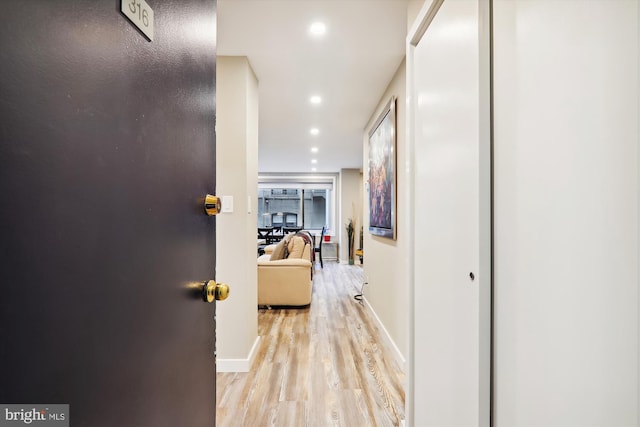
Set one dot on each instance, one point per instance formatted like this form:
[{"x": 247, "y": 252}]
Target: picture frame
[{"x": 382, "y": 173}]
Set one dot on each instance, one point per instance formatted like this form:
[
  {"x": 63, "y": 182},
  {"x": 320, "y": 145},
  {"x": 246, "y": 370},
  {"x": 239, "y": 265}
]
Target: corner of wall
[
  {"x": 236, "y": 175},
  {"x": 350, "y": 207}
]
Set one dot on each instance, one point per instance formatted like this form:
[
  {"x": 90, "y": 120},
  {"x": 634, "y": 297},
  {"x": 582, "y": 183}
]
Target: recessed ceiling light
[
  {"x": 314, "y": 169},
  {"x": 314, "y": 161},
  {"x": 318, "y": 29},
  {"x": 315, "y": 99},
  {"x": 314, "y": 149},
  {"x": 314, "y": 131}
]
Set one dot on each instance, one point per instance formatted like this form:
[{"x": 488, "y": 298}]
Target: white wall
[
  {"x": 350, "y": 207},
  {"x": 566, "y": 212},
  {"x": 384, "y": 259},
  {"x": 413, "y": 9},
  {"x": 237, "y": 176}
]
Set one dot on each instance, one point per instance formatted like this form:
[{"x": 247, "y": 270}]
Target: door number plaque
[{"x": 140, "y": 14}]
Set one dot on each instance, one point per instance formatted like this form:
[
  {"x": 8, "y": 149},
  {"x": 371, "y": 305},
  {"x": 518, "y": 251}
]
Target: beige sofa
[{"x": 286, "y": 281}]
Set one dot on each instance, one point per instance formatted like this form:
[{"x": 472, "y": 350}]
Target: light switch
[
  {"x": 248, "y": 204},
  {"x": 227, "y": 204}
]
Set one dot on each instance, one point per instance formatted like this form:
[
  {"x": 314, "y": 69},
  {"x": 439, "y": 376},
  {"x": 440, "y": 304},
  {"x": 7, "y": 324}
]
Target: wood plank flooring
[{"x": 325, "y": 365}]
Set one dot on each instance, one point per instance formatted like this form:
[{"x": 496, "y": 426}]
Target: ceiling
[{"x": 349, "y": 67}]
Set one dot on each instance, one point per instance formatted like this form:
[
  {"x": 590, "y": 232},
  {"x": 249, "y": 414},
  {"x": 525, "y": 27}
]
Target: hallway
[{"x": 323, "y": 365}]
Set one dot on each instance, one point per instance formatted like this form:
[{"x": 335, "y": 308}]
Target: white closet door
[{"x": 446, "y": 140}]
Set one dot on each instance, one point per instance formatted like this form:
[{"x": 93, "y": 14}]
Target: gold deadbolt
[
  {"x": 212, "y": 205},
  {"x": 212, "y": 291}
]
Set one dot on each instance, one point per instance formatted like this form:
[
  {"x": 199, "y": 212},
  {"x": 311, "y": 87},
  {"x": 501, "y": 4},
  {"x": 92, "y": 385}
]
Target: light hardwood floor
[{"x": 325, "y": 365}]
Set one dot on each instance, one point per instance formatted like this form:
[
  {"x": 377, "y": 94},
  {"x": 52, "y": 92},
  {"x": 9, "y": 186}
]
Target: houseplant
[{"x": 349, "y": 226}]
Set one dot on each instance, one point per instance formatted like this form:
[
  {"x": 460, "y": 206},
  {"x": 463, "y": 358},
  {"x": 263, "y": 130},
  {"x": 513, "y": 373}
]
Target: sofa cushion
[
  {"x": 280, "y": 251},
  {"x": 296, "y": 247}
]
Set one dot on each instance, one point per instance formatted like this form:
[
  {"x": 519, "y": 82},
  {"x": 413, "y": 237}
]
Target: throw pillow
[
  {"x": 296, "y": 247},
  {"x": 279, "y": 252}
]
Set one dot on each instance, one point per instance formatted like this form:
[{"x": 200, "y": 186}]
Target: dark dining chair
[
  {"x": 287, "y": 230},
  {"x": 269, "y": 234},
  {"x": 277, "y": 235},
  {"x": 318, "y": 250},
  {"x": 264, "y": 232}
]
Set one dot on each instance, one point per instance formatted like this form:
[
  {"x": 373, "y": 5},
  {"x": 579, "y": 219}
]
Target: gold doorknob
[
  {"x": 212, "y": 205},
  {"x": 212, "y": 291}
]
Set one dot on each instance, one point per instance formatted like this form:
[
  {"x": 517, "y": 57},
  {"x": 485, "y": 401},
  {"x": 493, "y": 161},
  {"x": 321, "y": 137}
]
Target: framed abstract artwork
[{"x": 382, "y": 173}]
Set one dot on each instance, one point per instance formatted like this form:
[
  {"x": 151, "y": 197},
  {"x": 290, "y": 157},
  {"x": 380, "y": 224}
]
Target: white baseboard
[
  {"x": 238, "y": 365},
  {"x": 389, "y": 341}
]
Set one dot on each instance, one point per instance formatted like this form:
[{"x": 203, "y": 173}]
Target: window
[
  {"x": 295, "y": 203},
  {"x": 279, "y": 207},
  {"x": 316, "y": 203}
]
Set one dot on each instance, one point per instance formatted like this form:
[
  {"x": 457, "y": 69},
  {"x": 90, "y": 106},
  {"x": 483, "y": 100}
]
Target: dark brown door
[{"x": 107, "y": 148}]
